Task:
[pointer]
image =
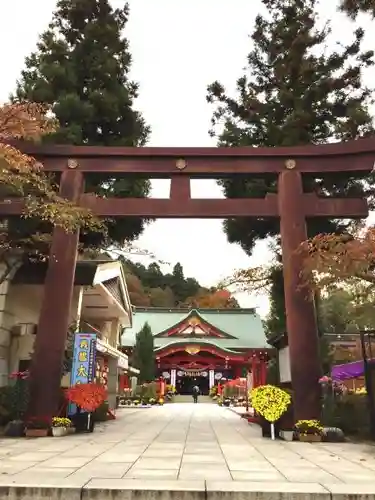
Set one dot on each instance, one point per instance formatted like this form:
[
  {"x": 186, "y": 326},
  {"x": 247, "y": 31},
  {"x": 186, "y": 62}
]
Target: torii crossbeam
[{"x": 290, "y": 204}]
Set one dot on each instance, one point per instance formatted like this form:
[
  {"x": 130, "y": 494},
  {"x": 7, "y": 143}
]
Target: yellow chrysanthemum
[{"x": 270, "y": 402}]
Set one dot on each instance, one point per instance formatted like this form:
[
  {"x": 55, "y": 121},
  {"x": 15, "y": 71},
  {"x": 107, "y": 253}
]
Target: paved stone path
[{"x": 185, "y": 443}]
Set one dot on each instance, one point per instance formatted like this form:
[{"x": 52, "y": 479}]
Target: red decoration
[
  {"x": 88, "y": 397},
  {"x": 19, "y": 375}
]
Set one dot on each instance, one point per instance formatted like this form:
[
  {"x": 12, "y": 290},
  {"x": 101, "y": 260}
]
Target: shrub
[
  {"x": 151, "y": 392},
  {"x": 229, "y": 391},
  {"x": 101, "y": 413},
  {"x": 14, "y": 399},
  {"x": 350, "y": 413}
]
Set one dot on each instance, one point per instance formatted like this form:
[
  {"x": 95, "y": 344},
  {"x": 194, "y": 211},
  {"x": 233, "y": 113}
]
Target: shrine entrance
[
  {"x": 291, "y": 205},
  {"x": 186, "y": 381}
]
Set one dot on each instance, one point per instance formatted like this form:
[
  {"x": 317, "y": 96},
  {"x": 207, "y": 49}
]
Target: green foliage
[
  {"x": 229, "y": 391},
  {"x": 272, "y": 376},
  {"x": 275, "y": 322},
  {"x": 14, "y": 399},
  {"x": 337, "y": 312},
  {"x": 148, "y": 391},
  {"x": 143, "y": 354},
  {"x": 81, "y": 68},
  {"x": 351, "y": 414},
  {"x": 355, "y": 7},
  {"x": 294, "y": 92},
  {"x": 148, "y": 286},
  {"x": 101, "y": 413},
  {"x": 347, "y": 310}
]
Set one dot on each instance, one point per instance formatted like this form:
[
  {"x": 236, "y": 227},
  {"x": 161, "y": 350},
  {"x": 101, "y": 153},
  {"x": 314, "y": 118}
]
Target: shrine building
[
  {"x": 203, "y": 346},
  {"x": 100, "y": 304}
]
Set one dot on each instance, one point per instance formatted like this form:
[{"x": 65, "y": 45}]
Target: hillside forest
[{"x": 150, "y": 287}]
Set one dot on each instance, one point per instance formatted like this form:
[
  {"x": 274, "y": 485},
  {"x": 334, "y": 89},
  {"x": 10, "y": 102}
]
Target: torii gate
[{"x": 290, "y": 204}]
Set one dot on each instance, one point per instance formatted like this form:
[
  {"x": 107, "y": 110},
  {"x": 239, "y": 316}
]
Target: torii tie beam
[{"x": 291, "y": 205}]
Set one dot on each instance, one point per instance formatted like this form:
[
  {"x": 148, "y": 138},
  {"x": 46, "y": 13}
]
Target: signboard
[
  {"x": 192, "y": 373},
  {"x": 249, "y": 381},
  {"x": 123, "y": 363},
  {"x": 83, "y": 366},
  {"x": 284, "y": 365}
]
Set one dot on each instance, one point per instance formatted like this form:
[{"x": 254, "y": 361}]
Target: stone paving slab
[
  {"x": 187, "y": 442},
  {"x": 123, "y": 489},
  {"x": 265, "y": 491}
]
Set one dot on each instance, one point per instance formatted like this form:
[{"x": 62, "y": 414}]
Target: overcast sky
[{"x": 178, "y": 48}]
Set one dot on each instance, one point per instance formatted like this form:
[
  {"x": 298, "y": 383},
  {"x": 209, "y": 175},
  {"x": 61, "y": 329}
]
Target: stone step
[
  {"x": 189, "y": 399},
  {"x": 128, "y": 489}
]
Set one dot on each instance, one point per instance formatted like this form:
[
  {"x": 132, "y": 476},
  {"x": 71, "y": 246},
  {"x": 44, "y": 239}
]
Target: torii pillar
[
  {"x": 303, "y": 340},
  {"x": 49, "y": 347}
]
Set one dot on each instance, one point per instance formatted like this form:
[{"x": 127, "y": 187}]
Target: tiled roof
[{"x": 244, "y": 325}]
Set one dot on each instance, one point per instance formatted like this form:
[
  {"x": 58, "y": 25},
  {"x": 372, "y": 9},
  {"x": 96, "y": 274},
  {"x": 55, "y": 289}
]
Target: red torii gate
[{"x": 290, "y": 204}]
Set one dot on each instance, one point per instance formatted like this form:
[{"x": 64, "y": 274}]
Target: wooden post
[
  {"x": 254, "y": 370},
  {"x": 300, "y": 317},
  {"x": 263, "y": 372},
  {"x": 46, "y": 366}
]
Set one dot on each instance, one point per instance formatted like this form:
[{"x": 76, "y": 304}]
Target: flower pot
[
  {"x": 287, "y": 435},
  {"x": 59, "y": 431},
  {"x": 36, "y": 433},
  {"x": 310, "y": 438},
  {"x": 15, "y": 428},
  {"x": 82, "y": 423}
]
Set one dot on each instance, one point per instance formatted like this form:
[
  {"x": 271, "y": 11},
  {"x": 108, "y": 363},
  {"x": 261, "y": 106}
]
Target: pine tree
[
  {"x": 354, "y": 7},
  {"x": 81, "y": 67},
  {"x": 143, "y": 355},
  {"x": 178, "y": 272},
  {"x": 275, "y": 322},
  {"x": 293, "y": 93}
]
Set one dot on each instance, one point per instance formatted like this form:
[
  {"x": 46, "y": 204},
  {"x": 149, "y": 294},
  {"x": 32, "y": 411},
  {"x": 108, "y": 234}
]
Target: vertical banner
[
  {"x": 83, "y": 366},
  {"x": 173, "y": 377}
]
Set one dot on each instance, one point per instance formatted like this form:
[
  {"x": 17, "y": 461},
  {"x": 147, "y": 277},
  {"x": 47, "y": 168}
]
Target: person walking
[{"x": 195, "y": 393}]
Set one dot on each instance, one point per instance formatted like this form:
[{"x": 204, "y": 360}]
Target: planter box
[
  {"x": 59, "y": 431},
  {"x": 310, "y": 438},
  {"x": 36, "y": 433}
]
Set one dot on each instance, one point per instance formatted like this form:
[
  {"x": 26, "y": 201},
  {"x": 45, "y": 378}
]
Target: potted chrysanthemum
[
  {"x": 60, "y": 426},
  {"x": 309, "y": 431},
  {"x": 271, "y": 403}
]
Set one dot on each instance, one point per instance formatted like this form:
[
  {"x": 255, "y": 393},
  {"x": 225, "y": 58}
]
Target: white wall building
[{"x": 100, "y": 304}]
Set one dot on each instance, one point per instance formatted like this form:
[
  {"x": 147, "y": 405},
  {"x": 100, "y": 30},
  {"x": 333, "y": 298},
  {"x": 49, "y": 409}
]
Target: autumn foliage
[
  {"x": 216, "y": 299},
  {"x": 329, "y": 259},
  {"x": 22, "y": 176},
  {"x": 88, "y": 397}
]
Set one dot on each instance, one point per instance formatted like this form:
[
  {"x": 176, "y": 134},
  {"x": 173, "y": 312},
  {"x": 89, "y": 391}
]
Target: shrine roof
[{"x": 240, "y": 328}]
